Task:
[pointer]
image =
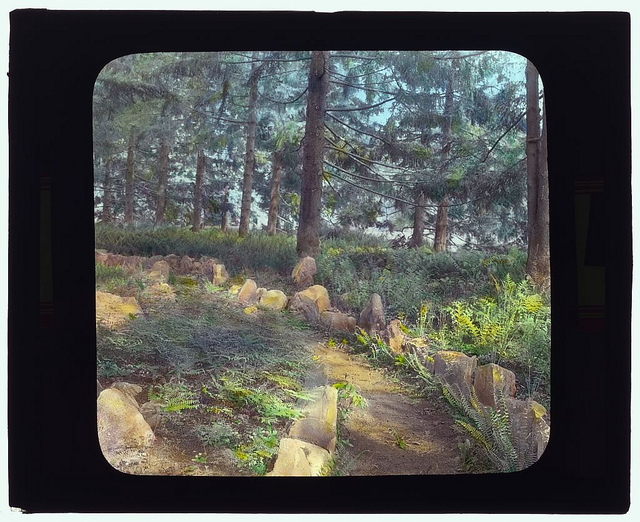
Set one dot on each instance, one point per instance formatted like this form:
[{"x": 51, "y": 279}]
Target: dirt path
[{"x": 394, "y": 434}]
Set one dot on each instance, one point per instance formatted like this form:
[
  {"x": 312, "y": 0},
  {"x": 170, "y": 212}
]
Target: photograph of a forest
[{"x": 321, "y": 263}]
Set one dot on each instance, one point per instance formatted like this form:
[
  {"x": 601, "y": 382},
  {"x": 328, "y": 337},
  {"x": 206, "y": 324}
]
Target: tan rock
[
  {"x": 319, "y": 295},
  {"x": 455, "y": 369},
  {"x": 304, "y": 307},
  {"x": 113, "y": 310},
  {"x": 338, "y": 321},
  {"x": 273, "y": 300},
  {"x": 152, "y": 412},
  {"x": 297, "y": 458},
  {"x": 173, "y": 261},
  {"x": 248, "y": 292},
  {"x": 132, "y": 263},
  {"x": 304, "y": 271},
  {"x": 120, "y": 424},
  {"x": 220, "y": 275},
  {"x": 101, "y": 257},
  {"x": 530, "y": 431},
  {"x": 155, "y": 276},
  {"x": 162, "y": 267},
  {"x": 186, "y": 265},
  {"x": 99, "y": 388},
  {"x": 234, "y": 289},
  {"x": 491, "y": 381},
  {"x": 160, "y": 291},
  {"x": 207, "y": 266},
  {"x": 393, "y": 336},
  {"x": 318, "y": 426},
  {"x": 372, "y": 316},
  {"x": 129, "y": 390},
  {"x": 149, "y": 262}
]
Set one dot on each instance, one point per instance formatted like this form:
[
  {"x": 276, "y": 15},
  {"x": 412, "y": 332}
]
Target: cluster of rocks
[
  {"x": 461, "y": 373},
  {"x": 311, "y": 443},
  {"x": 491, "y": 386}
]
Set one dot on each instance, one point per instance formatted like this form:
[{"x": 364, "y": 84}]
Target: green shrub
[{"x": 512, "y": 325}]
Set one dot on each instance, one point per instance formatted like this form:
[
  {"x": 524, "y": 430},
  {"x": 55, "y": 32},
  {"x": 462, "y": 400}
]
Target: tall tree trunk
[
  {"x": 224, "y": 218},
  {"x": 249, "y": 161},
  {"x": 441, "y": 241},
  {"x": 106, "y": 192},
  {"x": 162, "y": 182},
  {"x": 272, "y": 220},
  {"x": 197, "y": 201},
  {"x": 418, "y": 222},
  {"x": 128, "y": 186},
  {"x": 538, "y": 264},
  {"x": 308, "y": 237},
  {"x": 441, "y": 238}
]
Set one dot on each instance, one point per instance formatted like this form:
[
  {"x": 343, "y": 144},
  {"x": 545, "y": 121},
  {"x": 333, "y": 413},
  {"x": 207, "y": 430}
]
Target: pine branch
[{"x": 363, "y": 108}]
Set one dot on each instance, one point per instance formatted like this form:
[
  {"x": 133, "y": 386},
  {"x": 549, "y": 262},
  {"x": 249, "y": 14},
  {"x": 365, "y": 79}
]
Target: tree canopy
[{"x": 426, "y": 146}]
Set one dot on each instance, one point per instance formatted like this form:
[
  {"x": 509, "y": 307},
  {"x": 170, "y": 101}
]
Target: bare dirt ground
[{"x": 395, "y": 434}]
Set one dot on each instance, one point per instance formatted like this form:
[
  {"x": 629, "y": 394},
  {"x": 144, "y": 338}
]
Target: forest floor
[{"x": 238, "y": 378}]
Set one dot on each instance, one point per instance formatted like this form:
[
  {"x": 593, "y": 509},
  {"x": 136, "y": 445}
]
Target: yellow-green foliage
[{"x": 503, "y": 325}]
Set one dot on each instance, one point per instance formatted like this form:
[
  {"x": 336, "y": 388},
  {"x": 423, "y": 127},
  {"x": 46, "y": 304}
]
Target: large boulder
[
  {"x": 491, "y": 381},
  {"x": 273, "y": 300},
  {"x": 113, "y": 310},
  {"x": 338, "y": 321},
  {"x": 248, "y": 293},
  {"x": 304, "y": 271},
  {"x": 372, "y": 316},
  {"x": 297, "y": 458},
  {"x": 318, "y": 426},
  {"x": 455, "y": 369},
  {"x": 121, "y": 426},
  {"x": 530, "y": 431}
]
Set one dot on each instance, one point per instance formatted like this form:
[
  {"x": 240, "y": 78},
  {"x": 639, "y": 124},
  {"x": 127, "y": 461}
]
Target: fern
[{"x": 489, "y": 427}]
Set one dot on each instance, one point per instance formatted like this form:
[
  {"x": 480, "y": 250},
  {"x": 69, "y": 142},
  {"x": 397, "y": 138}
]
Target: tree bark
[
  {"x": 538, "y": 263},
  {"x": 308, "y": 237},
  {"x": 272, "y": 220},
  {"x": 197, "y": 201},
  {"x": 417, "y": 239},
  {"x": 128, "y": 187},
  {"x": 224, "y": 218},
  {"x": 162, "y": 182},
  {"x": 249, "y": 162},
  {"x": 106, "y": 193},
  {"x": 441, "y": 240}
]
